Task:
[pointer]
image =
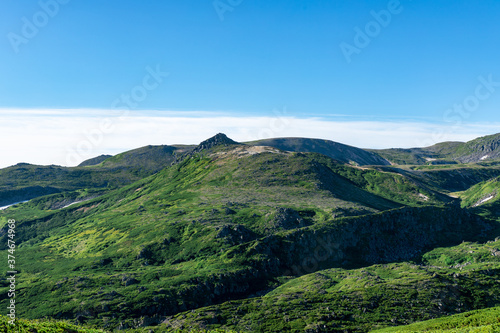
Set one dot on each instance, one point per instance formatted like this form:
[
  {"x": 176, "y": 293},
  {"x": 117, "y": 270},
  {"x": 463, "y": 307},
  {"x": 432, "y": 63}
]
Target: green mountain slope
[
  {"x": 358, "y": 300},
  {"x": 482, "y": 193},
  {"x": 250, "y": 238},
  {"x": 478, "y": 150},
  {"x": 483, "y": 198},
  {"x": 146, "y": 160},
  {"x": 487, "y": 320},
  {"x": 45, "y": 326},
  {"x": 95, "y": 160},
  {"x": 55, "y": 326},
  {"x": 411, "y": 156},
  {"x": 340, "y": 152},
  {"x": 25, "y": 181},
  {"x": 481, "y": 149},
  {"x": 451, "y": 178},
  {"x": 223, "y": 224}
]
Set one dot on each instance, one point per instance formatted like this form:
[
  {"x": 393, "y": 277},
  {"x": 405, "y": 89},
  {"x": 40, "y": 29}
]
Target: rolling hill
[
  {"x": 486, "y": 148},
  {"x": 337, "y": 151},
  {"x": 285, "y": 235},
  {"x": 24, "y": 181}
]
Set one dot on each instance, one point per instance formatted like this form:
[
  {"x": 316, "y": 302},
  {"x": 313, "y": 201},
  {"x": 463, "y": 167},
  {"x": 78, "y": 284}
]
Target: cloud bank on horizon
[{"x": 64, "y": 137}]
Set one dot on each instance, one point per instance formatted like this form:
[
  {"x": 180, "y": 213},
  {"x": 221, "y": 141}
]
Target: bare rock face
[
  {"x": 217, "y": 140},
  {"x": 286, "y": 219},
  {"x": 235, "y": 234},
  {"x": 128, "y": 281},
  {"x": 396, "y": 235},
  {"x": 485, "y": 148}
]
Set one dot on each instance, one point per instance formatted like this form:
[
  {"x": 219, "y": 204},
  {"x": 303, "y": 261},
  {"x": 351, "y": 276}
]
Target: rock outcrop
[{"x": 219, "y": 139}]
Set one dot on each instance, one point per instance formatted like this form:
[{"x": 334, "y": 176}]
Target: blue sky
[{"x": 239, "y": 61}]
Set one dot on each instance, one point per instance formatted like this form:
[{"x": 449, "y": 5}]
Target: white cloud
[{"x": 67, "y": 137}]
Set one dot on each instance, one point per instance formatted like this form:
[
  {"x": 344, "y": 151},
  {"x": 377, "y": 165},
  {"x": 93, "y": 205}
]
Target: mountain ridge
[
  {"x": 338, "y": 151},
  {"x": 481, "y": 149},
  {"x": 176, "y": 235}
]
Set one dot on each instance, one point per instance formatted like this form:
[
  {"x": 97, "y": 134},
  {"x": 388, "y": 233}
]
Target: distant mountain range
[
  {"x": 478, "y": 150},
  {"x": 32, "y": 181},
  {"x": 486, "y": 148},
  {"x": 276, "y": 235}
]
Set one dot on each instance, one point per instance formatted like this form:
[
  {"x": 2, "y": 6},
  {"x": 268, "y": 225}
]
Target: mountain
[
  {"x": 94, "y": 161},
  {"x": 32, "y": 181},
  {"x": 26, "y": 181},
  {"x": 252, "y": 237},
  {"x": 218, "y": 140},
  {"x": 481, "y": 149},
  {"x": 337, "y": 151},
  {"x": 486, "y": 148},
  {"x": 146, "y": 160},
  {"x": 447, "y": 178},
  {"x": 478, "y": 150}
]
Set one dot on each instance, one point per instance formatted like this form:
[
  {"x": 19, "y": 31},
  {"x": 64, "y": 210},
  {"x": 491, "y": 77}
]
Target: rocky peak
[{"x": 219, "y": 139}]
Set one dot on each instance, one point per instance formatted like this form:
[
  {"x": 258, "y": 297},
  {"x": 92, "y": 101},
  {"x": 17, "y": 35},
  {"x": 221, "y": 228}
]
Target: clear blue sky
[{"x": 263, "y": 55}]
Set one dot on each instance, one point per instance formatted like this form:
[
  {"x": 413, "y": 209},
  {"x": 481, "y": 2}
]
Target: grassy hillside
[
  {"x": 487, "y": 320},
  {"x": 25, "y": 181},
  {"x": 483, "y": 198},
  {"x": 393, "y": 184},
  {"x": 482, "y": 193},
  {"x": 440, "y": 152},
  {"x": 202, "y": 232},
  {"x": 484, "y": 148},
  {"x": 54, "y": 326},
  {"x": 449, "y": 178},
  {"x": 94, "y": 161},
  {"x": 254, "y": 239},
  {"x": 45, "y": 326},
  {"x": 399, "y": 156},
  {"x": 146, "y": 160},
  {"x": 339, "y": 300},
  {"x": 481, "y": 149}
]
